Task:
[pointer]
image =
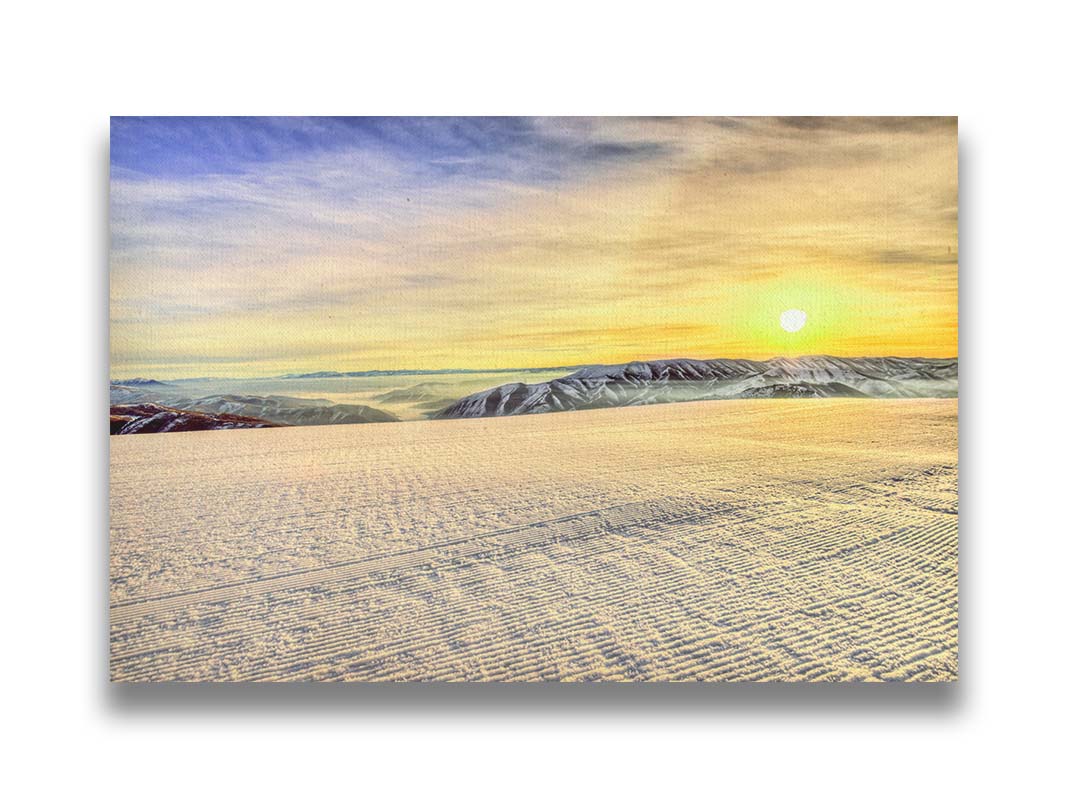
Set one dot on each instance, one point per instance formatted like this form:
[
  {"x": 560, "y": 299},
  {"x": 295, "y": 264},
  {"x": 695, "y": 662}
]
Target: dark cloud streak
[{"x": 866, "y": 124}]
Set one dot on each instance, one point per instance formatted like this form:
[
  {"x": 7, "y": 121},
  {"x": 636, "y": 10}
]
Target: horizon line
[{"x": 325, "y": 374}]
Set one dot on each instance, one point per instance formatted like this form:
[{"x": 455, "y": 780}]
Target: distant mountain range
[
  {"x": 142, "y": 382},
  {"x": 681, "y": 380},
  {"x": 378, "y": 373},
  {"x": 142, "y": 405}
]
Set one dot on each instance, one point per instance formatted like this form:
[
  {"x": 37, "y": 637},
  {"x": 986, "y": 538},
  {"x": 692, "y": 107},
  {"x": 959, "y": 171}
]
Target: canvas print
[{"x": 533, "y": 399}]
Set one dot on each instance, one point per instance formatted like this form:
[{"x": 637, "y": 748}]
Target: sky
[{"x": 246, "y": 247}]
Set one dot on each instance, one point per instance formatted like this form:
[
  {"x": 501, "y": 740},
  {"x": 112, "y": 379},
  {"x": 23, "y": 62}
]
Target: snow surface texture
[
  {"x": 681, "y": 380},
  {"x": 726, "y": 541}
]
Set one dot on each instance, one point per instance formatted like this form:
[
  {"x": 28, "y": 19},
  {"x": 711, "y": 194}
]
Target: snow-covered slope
[{"x": 680, "y": 380}]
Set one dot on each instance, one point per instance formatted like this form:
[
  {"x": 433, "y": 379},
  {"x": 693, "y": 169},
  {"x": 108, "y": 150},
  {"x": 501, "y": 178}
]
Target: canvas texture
[{"x": 530, "y": 399}]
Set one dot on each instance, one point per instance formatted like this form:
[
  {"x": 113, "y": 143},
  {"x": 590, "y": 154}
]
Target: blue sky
[{"x": 497, "y": 147}]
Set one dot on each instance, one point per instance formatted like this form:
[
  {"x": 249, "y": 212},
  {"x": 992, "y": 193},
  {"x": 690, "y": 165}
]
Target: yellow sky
[{"x": 542, "y": 242}]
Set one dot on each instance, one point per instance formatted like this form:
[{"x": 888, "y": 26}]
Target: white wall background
[{"x": 66, "y": 67}]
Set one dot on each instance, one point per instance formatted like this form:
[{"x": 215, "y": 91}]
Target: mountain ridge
[
  {"x": 156, "y": 418},
  {"x": 277, "y": 409},
  {"x": 684, "y": 379}
]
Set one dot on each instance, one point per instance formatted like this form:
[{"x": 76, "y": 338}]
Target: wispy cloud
[
  {"x": 325, "y": 240},
  {"x": 946, "y": 255}
]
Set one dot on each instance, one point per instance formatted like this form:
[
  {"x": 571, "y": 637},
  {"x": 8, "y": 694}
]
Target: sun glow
[{"x": 792, "y": 320}]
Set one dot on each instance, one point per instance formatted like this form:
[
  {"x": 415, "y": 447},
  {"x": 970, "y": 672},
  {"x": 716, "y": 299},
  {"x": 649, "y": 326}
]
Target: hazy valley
[{"x": 333, "y": 398}]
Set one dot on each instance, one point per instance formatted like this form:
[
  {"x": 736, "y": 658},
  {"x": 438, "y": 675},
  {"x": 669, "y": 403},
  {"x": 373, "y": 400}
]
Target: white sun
[{"x": 792, "y": 320}]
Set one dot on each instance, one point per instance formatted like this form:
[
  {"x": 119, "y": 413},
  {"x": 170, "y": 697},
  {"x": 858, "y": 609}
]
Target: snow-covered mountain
[
  {"x": 291, "y": 410},
  {"x": 154, "y": 418},
  {"x": 680, "y": 380},
  {"x": 272, "y": 408},
  {"x": 420, "y": 392},
  {"x": 428, "y": 396}
]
